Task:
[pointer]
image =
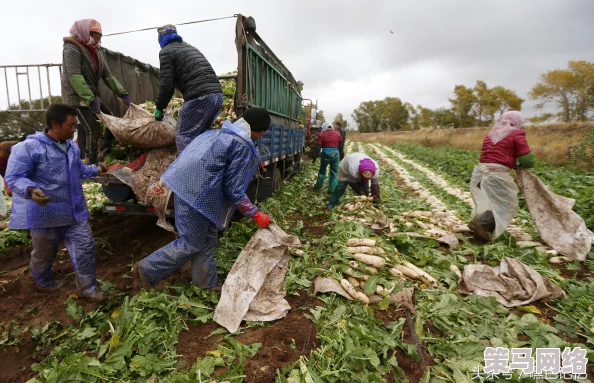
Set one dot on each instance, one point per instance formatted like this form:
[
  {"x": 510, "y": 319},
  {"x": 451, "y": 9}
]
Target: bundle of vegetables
[
  {"x": 361, "y": 210},
  {"x": 372, "y": 274}
]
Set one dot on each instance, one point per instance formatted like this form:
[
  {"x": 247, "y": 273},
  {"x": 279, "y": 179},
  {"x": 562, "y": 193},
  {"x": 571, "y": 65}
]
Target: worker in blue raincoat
[
  {"x": 209, "y": 180},
  {"x": 45, "y": 173}
]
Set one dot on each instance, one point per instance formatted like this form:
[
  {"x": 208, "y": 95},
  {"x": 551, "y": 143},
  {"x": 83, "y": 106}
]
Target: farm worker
[
  {"x": 493, "y": 189},
  {"x": 5, "y": 148},
  {"x": 342, "y": 131},
  {"x": 185, "y": 68},
  {"x": 83, "y": 65},
  {"x": 209, "y": 180},
  {"x": 45, "y": 173},
  {"x": 328, "y": 143},
  {"x": 357, "y": 170}
]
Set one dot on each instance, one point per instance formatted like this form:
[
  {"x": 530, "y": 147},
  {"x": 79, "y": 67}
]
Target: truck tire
[{"x": 118, "y": 192}]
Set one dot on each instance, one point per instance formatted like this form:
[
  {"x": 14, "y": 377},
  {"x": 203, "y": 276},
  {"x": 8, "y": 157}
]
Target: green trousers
[{"x": 331, "y": 159}]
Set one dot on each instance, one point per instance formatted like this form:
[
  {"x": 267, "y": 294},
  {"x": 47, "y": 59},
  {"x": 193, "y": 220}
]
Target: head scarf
[
  {"x": 168, "y": 33},
  {"x": 326, "y": 126},
  {"x": 81, "y": 30},
  {"x": 507, "y": 123},
  {"x": 367, "y": 165}
]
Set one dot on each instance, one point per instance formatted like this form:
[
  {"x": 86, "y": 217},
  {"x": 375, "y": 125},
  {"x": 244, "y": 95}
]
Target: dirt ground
[{"x": 120, "y": 243}]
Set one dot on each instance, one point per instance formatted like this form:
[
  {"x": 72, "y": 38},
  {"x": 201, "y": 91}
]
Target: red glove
[{"x": 261, "y": 220}]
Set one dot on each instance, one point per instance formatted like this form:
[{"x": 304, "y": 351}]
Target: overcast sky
[{"x": 345, "y": 52}]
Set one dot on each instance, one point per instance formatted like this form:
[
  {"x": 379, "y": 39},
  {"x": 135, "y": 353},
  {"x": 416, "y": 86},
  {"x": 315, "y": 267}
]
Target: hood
[{"x": 241, "y": 129}]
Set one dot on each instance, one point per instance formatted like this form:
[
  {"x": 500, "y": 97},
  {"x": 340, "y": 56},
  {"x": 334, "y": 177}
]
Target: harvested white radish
[
  {"x": 353, "y": 281},
  {"x": 296, "y": 252},
  {"x": 403, "y": 270},
  {"x": 379, "y": 289},
  {"x": 424, "y": 275},
  {"x": 354, "y": 242},
  {"x": 552, "y": 252},
  {"x": 359, "y": 249},
  {"x": 354, "y": 264},
  {"x": 408, "y": 224},
  {"x": 456, "y": 270},
  {"x": 371, "y": 260},
  {"x": 370, "y": 269},
  {"x": 525, "y": 244},
  {"x": 422, "y": 225},
  {"x": 461, "y": 229},
  {"x": 362, "y": 220},
  {"x": 559, "y": 260},
  {"x": 395, "y": 272},
  {"x": 353, "y": 292}
]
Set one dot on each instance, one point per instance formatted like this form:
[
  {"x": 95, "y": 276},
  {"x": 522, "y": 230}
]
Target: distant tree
[
  {"x": 445, "y": 118},
  {"x": 485, "y": 104},
  {"x": 506, "y": 99},
  {"x": 571, "y": 90},
  {"x": 425, "y": 116},
  {"x": 463, "y": 104},
  {"x": 14, "y": 124},
  {"x": 367, "y": 117},
  {"x": 344, "y": 123},
  {"x": 393, "y": 113},
  {"x": 414, "y": 116}
]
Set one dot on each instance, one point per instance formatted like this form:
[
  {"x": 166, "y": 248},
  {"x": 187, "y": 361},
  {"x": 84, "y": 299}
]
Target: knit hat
[
  {"x": 367, "y": 165},
  {"x": 166, "y": 29},
  {"x": 258, "y": 118}
]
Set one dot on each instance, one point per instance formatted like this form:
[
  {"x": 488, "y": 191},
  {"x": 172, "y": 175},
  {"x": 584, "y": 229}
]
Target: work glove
[
  {"x": 126, "y": 99},
  {"x": 158, "y": 115},
  {"x": 261, "y": 220},
  {"x": 95, "y": 107},
  {"x": 39, "y": 197}
]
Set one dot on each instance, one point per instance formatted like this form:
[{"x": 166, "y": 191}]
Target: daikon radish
[
  {"x": 371, "y": 260},
  {"x": 354, "y": 242},
  {"x": 456, "y": 270},
  {"x": 405, "y": 271},
  {"x": 462, "y": 229},
  {"x": 359, "y": 249},
  {"x": 362, "y": 220},
  {"x": 296, "y": 252},
  {"x": 395, "y": 272},
  {"x": 552, "y": 252},
  {"x": 379, "y": 289},
  {"x": 354, "y": 264},
  {"x": 352, "y": 273},
  {"x": 559, "y": 260},
  {"x": 526, "y": 244},
  {"x": 353, "y": 281},
  {"x": 427, "y": 278},
  {"x": 353, "y": 292},
  {"x": 422, "y": 225},
  {"x": 370, "y": 269}
]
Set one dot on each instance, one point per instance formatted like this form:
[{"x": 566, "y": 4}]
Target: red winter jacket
[
  {"x": 329, "y": 139},
  {"x": 506, "y": 151}
]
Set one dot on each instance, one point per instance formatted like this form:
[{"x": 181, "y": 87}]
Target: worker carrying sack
[{"x": 140, "y": 129}]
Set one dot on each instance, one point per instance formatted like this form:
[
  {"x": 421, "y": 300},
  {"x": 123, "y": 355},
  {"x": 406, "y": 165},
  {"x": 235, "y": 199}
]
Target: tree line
[{"x": 570, "y": 91}]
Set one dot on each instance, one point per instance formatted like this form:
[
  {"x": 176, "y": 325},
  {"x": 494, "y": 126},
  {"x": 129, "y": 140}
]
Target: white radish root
[
  {"x": 371, "y": 260},
  {"x": 353, "y": 281},
  {"x": 424, "y": 275},
  {"x": 395, "y": 272},
  {"x": 456, "y": 270},
  {"x": 355, "y": 242},
  {"x": 353, "y": 292}
]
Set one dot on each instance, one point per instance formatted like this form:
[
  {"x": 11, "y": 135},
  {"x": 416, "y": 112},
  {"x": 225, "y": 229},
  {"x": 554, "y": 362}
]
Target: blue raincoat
[
  {"x": 213, "y": 172},
  {"x": 38, "y": 162},
  {"x": 209, "y": 180}
]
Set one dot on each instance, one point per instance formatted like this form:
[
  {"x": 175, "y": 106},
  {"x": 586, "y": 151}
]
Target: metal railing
[{"x": 28, "y": 72}]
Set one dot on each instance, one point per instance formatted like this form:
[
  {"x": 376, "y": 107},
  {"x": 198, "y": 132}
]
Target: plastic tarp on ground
[
  {"x": 558, "y": 225},
  {"x": 253, "y": 290},
  {"x": 511, "y": 284}
]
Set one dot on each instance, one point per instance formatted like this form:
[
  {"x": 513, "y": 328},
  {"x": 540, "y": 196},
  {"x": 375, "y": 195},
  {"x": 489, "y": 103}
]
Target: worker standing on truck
[
  {"x": 209, "y": 180},
  {"x": 5, "y": 149},
  {"x": 357, "y": 170},
  {"x": 493, "y": 189},
  {"x": 83, "y": 65},
  {"x": 45, "y": 173},
  {"x": 342, "y": 131},
  {"x": 328, "y": 143},
  {"x": 184, "y": 67}
]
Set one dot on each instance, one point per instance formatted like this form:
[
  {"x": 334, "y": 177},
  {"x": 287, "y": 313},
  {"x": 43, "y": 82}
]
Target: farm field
[{"x": 168, "y": 335}]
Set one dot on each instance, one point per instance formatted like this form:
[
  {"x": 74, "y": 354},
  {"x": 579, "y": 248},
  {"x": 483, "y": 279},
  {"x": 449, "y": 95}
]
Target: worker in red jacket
[
  {"x": 493, "y": 189},
  {"x": 328, "y": 144},
  {"x": 5, "y": 148}
]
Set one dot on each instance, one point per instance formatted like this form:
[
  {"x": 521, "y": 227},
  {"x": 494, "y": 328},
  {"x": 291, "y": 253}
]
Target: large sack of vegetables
[{"x": 139, "y": 128}]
